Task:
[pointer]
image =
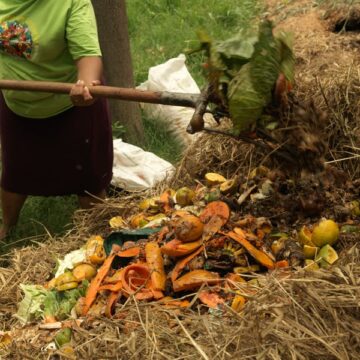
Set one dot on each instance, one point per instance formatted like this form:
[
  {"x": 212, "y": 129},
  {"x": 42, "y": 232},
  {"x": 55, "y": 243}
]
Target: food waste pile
[{"x": 190, "y": 246}]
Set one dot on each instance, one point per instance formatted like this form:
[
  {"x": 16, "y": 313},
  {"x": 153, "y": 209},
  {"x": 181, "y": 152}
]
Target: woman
[{"x": 51, "y": 144}]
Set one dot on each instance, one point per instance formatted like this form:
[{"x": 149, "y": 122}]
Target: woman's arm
[{"x": 90, "y": 70}]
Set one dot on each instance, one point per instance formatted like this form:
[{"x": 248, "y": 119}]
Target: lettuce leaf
[{"x": 31, "y": 307}]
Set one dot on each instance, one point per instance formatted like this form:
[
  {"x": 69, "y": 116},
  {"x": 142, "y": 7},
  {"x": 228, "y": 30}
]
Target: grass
[{"x": 159, "y": 30}]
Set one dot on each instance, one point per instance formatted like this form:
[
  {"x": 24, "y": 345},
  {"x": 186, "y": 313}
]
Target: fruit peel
[
  {"x": 229, "y": 187},
  {"x": 327, "y": 256},
  {"x": 305, "y": 236},
  {"x": 311, "y": 265},
  {"x": 213, "y": 179},
  {"x": 310, "y": 251}
]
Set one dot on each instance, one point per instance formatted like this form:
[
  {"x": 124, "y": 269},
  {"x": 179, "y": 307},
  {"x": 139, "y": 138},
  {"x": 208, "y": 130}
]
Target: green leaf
[
  {"x": 287, "y": 64},
  {"x": 245, "y": 103},
  {"x": 31, "y": 306},
  {"x": 265, "y": 63},
  {"x": 232, "y": 54},
  {"x": 51, "y": 304},
  {"x": 251, "y": 89}
]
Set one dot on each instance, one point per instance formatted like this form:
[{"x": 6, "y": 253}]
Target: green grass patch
[
  {"x": 160, "y": 142},
  {"x": 41, "y": 215},
  {"x": 162, "y": 29}
]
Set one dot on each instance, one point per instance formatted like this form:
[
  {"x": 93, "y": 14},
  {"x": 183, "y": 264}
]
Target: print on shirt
[{"x": 16, "y": 39}]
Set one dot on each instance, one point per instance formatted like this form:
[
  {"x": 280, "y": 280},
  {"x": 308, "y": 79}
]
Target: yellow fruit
[
  {"x": 66, "y": 277},
  {"x": 311, "y": 265},
  {"x": 84, "y": 271},
  {"x": 325, "y": 232},
  {"x": 238, "y": 303},
  {"x": 138, "y": 221},
  {"x": 184, "y": 196},
  {"x": 117, "y": 222},
  {"x": 51, "y": 284},
  {"x": 213, "y": 179},
  {"x": 310, "y": 251},
  {"x": 304, "y": 236},
  {"x": 328, "y": 255},
  {"x": 156, "y": 217},
  {"x": 154, "y": 206},
  {"x": 228, "y": 187},
  {"x": 94, "y": 250},
  {"x": 67, "y": 286}
]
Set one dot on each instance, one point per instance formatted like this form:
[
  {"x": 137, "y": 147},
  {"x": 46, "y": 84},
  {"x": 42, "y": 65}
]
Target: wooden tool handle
[{"x": 128, "y": 94}]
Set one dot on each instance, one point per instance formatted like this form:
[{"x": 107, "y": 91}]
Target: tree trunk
[{"x": 115, "y": 45}]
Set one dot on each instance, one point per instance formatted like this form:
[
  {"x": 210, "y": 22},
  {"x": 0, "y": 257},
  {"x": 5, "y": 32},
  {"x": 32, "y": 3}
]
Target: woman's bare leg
[
  {"x": 88, "y": 201},
  {"x": 11, "y": 205}
]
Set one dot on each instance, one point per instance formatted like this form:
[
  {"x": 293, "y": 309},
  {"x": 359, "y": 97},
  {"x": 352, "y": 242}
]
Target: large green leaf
[
  {"x": 250, "y": 91},
  {"x": 232, "y": 54},
  {"x": 245, "y": 102},
  {"x": 265, "y": 63},
  {"x": 249, "y": 64}
]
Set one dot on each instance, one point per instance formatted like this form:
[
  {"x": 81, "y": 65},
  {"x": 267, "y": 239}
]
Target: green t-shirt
[{"x": 39, "y": 40}]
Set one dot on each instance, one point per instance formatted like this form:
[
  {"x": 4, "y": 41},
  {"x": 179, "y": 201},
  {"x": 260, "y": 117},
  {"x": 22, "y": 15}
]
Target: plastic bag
[
  {"x": 135, "y": 169},
  {"x": 172, "y": 76}
]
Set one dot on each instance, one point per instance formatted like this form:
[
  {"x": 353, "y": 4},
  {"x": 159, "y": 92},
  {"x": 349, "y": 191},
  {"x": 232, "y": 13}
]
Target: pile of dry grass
[
  {"x": 328, "y": 74},
  {"x": 302, "y": 316}
]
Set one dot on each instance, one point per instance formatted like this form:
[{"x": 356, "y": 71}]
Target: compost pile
[{"x": 239, "y": 255}]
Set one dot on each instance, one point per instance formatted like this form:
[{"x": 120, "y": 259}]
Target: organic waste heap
[{"x": 189, "y": 246}]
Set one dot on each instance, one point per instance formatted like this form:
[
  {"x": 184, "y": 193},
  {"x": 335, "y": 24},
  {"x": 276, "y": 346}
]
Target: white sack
[
  {"x": 135, "y": 169},
  {"x": 172, "y": 76}
]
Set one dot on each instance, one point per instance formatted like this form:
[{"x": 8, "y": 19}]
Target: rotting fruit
[
  {"x": 66, "y": 281},
  {"x": 213, "y": 179},
  {"x": 117, "y": 222},
  {"x": 184, "y": 196},
  {"x": 189, "y": 228},
  {"x": 228, "y": 187},
  {"x": 304, "y": 236},
  {"x": 94, "y": 250},
  {"x": 327, "y": 256},
  {"x": 213, "y": 195},
  {"x": 325, "y": 232},
  {"x": 139, "y": 221},
  {"x": 311, "y": 265},
  {"x": 84, "y": 271},
  {"x": 310, "y": 251}
]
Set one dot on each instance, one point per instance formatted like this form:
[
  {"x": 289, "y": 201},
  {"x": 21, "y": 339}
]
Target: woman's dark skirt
[{"x": 70, "y": 153}]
